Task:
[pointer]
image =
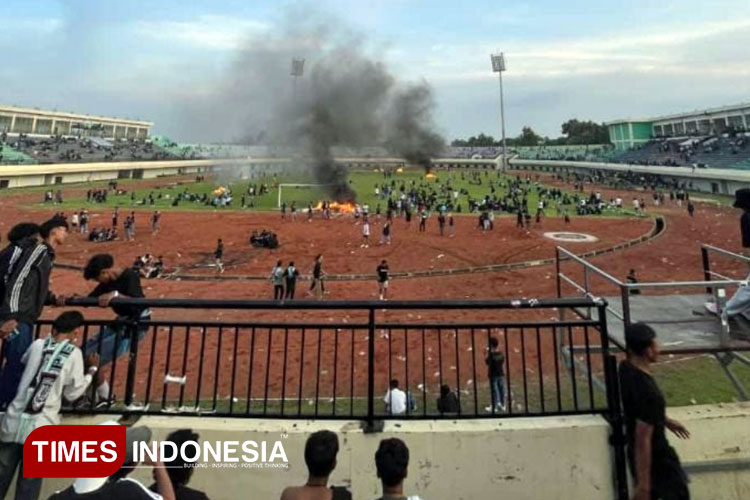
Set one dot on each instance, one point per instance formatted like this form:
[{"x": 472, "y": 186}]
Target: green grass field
[
  {"x": 363, "y": 182},
  {"x": 698, "y": 380}
]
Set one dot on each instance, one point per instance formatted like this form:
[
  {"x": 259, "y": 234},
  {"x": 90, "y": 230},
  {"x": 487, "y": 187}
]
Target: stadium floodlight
[
  {"x": 298, "y": 67},
  {"x": 498, "y": 66}
]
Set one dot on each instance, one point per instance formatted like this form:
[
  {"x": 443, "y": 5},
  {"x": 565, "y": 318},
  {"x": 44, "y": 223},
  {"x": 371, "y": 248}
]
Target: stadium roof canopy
[
  {"x": 14, "y": 119},
  {"x": 738, "y": 109},
  {"x": 628, "y": 133}
]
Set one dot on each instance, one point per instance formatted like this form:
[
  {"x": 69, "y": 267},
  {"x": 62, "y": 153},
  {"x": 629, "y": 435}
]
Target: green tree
[
  {"x": 585, "y": 132},
  {"x": 476, "y": 141},
  {"x": 527, "y": 138}
]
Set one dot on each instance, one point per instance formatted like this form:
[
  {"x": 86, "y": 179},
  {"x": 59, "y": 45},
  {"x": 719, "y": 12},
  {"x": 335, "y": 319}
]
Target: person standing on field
[
  {"x": 277, "y": 278},
  {"x": 383, "y": 279}
]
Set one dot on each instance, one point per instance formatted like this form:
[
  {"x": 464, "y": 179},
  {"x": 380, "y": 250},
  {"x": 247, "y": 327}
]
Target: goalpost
[{"x": 296, "y": 185}]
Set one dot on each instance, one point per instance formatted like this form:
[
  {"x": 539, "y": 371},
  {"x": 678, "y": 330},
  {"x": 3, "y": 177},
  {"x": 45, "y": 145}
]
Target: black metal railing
[
  {"x": 323, "y": 364},
  {"x": 335, "y": 360}
]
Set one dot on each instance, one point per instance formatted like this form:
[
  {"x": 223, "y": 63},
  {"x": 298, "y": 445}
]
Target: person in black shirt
[
  {"x": 448, "y": 401},
  {"x": 290, "y": 275},
  {"x": 317, "y": 279},
  {"x": 218, "y": 255},
  {"x": 26, "y": 292},
  {"x": 20, "y": 236},
  {"x": 632, "y": 278},
  {"x": 321, "y": 449},
  {"x": 118, "y": 486},
  {"x": 494, "y": 361},
  {"x": 114, "y": 340},
  {"x": 178, "y": 470},
  {"x": 653, "y": 462},
  {"x": 382, "y": 271}
]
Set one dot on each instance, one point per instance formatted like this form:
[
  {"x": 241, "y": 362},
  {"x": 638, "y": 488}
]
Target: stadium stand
[
  {"x": 595, "y": 152},
  {"x": 479, "y": 152},
  {"x": 718, "y": 151},
  {"x": 8, "y": 155},
  {"x": 68, "y": 149}
]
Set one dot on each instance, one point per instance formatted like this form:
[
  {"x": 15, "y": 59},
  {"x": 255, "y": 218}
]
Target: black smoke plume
[{"x": 347, "y": 97}]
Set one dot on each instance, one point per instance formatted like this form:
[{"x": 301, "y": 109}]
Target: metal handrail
[
  {"x": 311, "y": 304},
  {"x": 726, "y": 253},
  {"x": 589, "y": 265},
  {"x": 686, "y": 284}
]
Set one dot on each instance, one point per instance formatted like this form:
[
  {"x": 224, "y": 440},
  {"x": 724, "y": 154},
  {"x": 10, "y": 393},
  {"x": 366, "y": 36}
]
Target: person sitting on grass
[
  {"x": 448, "y": 403},
  {"x": 395, "y": 399},
  {"x": 321, "y": 449}
]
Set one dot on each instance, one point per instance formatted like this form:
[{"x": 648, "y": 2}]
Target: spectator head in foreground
[
  {"x": 178, "y": 470},
  {"x": 392, "y": 462},
  {"x": 67, "y": 323},
  {"x": 119, "y": 485},
  {"x": 640, "y": 340},
  {"x": 321, "y": 449}
]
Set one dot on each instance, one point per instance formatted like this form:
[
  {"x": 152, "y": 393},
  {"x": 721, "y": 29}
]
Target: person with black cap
[
  {"x": 118, "y": 486},
  {"x": 653, "y": 462},
  {"x": 26, "y": 294}
]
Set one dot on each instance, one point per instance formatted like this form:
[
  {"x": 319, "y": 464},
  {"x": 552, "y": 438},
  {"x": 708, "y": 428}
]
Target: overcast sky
[{"x": 588, "y": 59}]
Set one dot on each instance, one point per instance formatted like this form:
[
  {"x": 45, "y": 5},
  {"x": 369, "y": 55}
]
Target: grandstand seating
[
  {"x": 9, "y": 155},
  {"x": 722, "y": 151},
  {"x": 476, "y": 152},
  {"x": 595, "y": 152},
  {"x": 56, "y": 149}
]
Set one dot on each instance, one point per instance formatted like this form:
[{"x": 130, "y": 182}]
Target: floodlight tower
[
  {"x": 298, "y": 69},
  {"x": 498, "y": 66}
]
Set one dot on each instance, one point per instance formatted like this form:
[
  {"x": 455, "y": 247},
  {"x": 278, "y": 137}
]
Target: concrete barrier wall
[
  {"x": 545, "y": 458},
  {"x": 717, "y": 455},
  {"x": 540, "y": 458}
]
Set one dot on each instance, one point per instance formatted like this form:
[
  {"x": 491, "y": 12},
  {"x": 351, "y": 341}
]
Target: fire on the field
[{"x": 344, "y": 208}]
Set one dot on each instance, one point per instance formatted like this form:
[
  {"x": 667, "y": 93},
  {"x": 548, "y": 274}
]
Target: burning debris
[{"x": 335, "y": 207}]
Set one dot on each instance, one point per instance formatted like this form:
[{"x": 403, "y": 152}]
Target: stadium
[{"x": 263, "y": 307}]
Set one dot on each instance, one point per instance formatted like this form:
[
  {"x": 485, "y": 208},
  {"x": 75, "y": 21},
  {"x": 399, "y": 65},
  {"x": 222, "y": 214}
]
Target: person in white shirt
[
  {"x": 395, "y": 399},
  {"x": 54, "y": 369},
  {"x": 365, "y": 234}
]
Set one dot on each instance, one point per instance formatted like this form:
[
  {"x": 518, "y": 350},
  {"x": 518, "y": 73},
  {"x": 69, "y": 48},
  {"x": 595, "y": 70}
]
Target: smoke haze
[{"x": 346, "y": 97}]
